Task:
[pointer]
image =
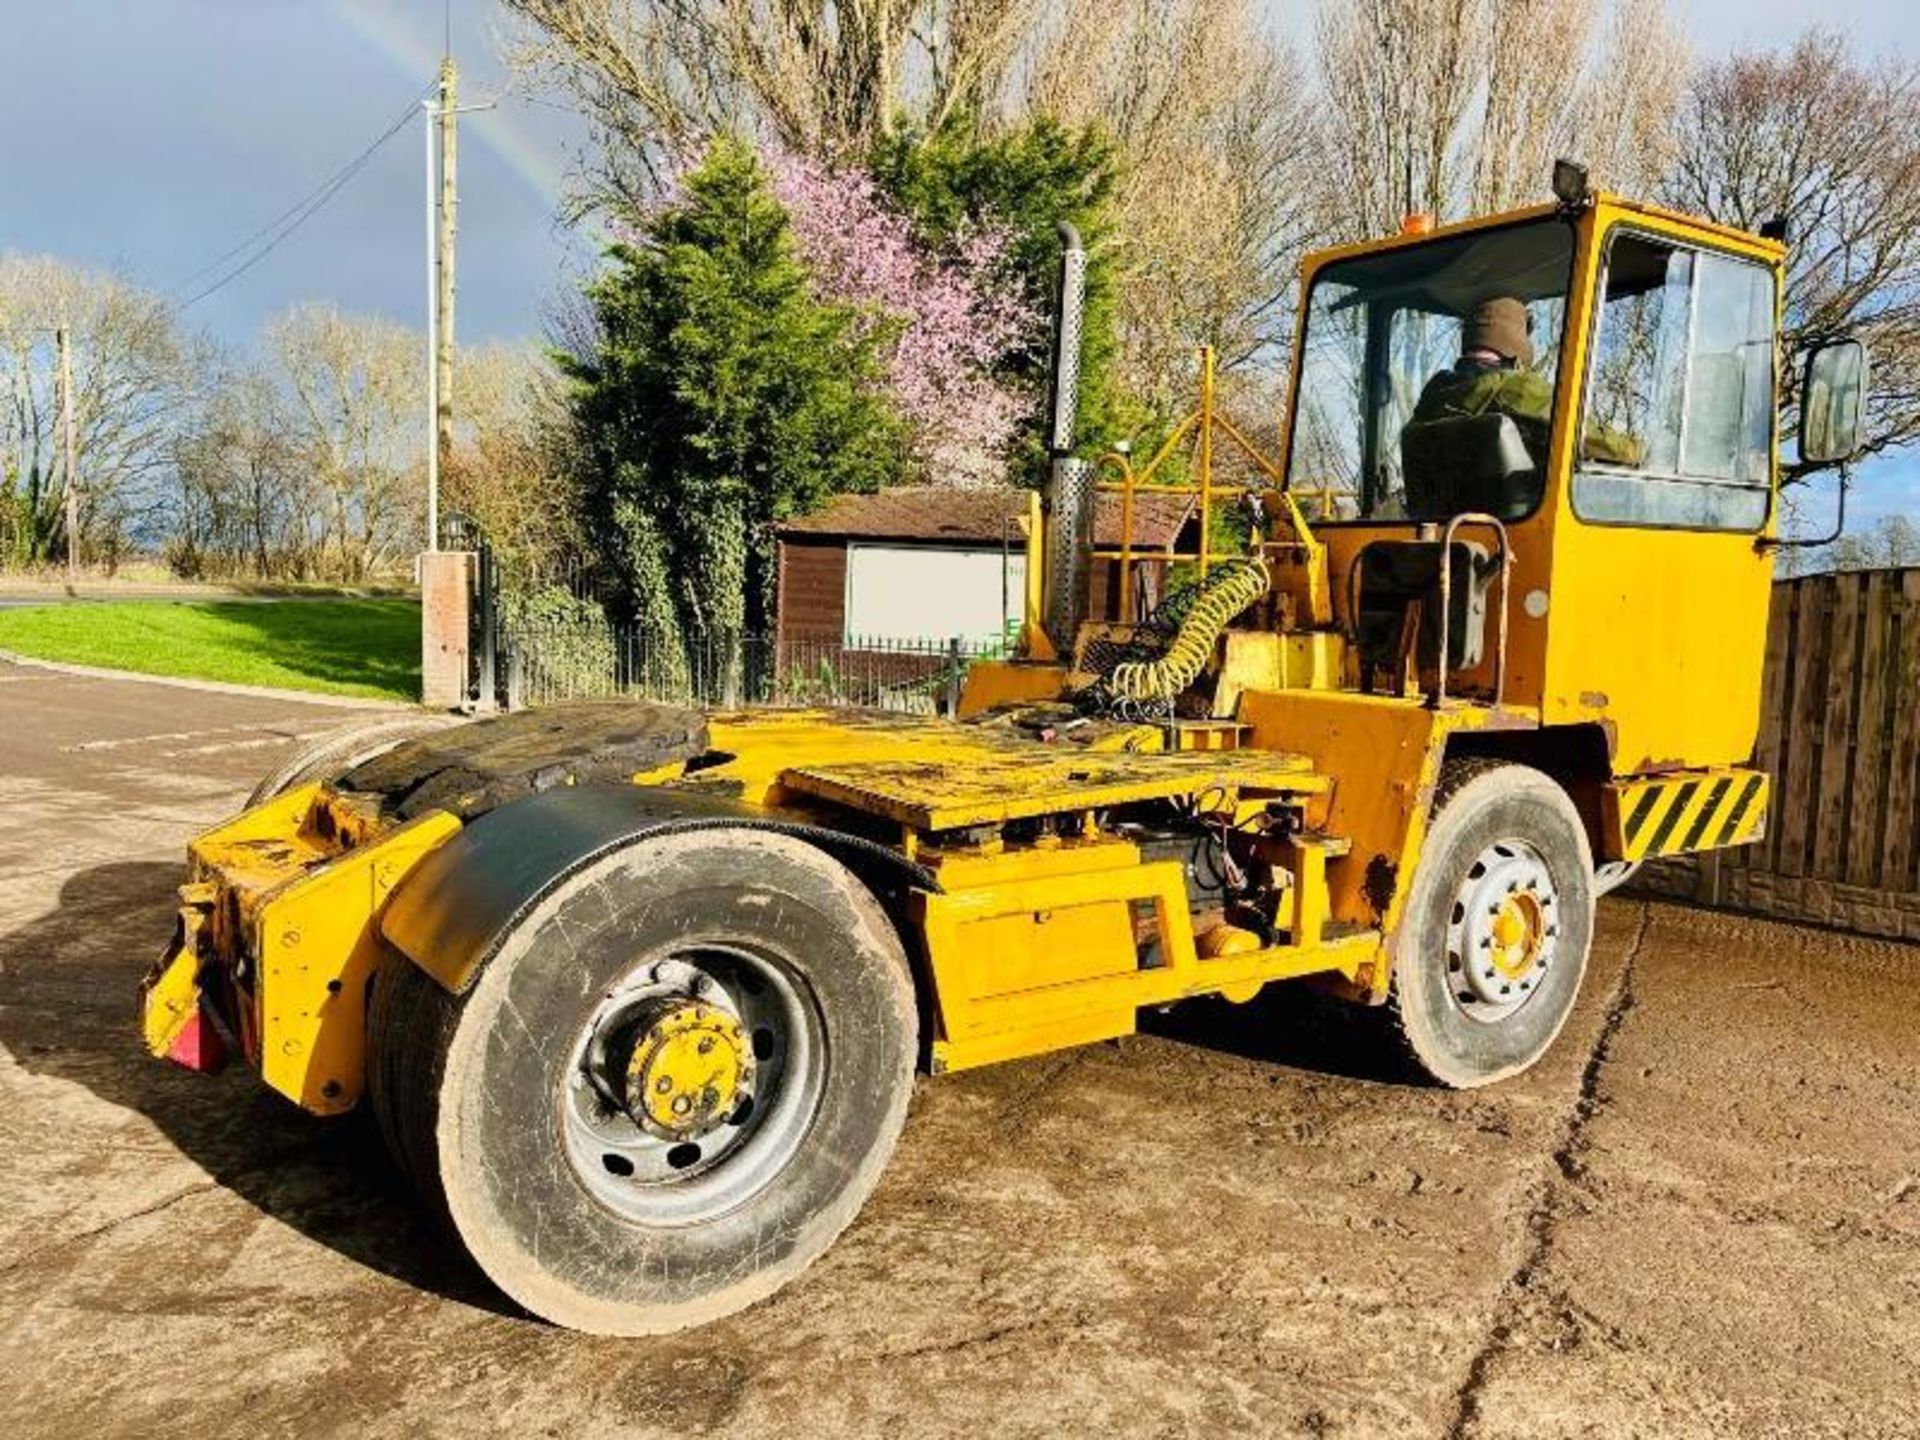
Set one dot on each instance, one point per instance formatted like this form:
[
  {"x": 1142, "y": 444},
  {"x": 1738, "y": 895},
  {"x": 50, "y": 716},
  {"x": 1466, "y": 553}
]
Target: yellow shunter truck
[{"x": 637, "y": 993}]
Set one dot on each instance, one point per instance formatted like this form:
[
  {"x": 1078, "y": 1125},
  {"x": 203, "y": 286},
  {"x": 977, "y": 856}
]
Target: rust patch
[
  {"x": 1505, "y": 717},
  {"x": 1383, "y": 879},
  {"x": 1595, "y": 699},
  {"x": 1650, "y": 766}
]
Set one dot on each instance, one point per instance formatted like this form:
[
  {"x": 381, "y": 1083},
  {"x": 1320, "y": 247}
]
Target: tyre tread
[{"x": 409, "y": 1026}]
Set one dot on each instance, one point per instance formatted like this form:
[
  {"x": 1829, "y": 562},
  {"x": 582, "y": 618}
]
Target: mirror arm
[{"x": 1839, "y": 523}]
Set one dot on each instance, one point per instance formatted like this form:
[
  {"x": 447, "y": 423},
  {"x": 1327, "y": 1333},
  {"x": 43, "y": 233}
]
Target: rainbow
[{"x": 416, "y": 54}]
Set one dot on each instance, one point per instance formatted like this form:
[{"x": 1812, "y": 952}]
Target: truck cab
[{"x": 1635, "y": 511}]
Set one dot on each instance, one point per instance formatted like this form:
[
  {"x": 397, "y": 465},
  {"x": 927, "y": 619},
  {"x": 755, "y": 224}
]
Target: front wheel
[
  {"x": 1493, "y": 942},
  {"x": 671, "y": 1089}
]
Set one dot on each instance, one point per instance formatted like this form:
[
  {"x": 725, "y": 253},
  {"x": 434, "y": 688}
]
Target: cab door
[{"x": 1657, "y": 617}]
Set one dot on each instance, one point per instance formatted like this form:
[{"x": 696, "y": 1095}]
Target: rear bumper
[{"x": 278, "y": 941}]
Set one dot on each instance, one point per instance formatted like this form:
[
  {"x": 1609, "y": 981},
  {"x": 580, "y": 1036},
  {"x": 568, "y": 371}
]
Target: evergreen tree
[
  {"x": 723, "y": 396},
  {"x": 953, "y": 182}
]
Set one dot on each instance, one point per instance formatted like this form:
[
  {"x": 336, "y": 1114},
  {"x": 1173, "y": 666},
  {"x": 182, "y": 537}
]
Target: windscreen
[{"x": 1382, "y": 353}]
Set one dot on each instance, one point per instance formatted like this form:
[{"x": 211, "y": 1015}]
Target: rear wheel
[
  {"x": 670, "y": 1090},
  {"x": 1493, "y": 942}
]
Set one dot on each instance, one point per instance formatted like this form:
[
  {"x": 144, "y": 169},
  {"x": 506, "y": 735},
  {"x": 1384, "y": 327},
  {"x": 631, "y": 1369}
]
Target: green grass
[{"x": 345, "y": 647}]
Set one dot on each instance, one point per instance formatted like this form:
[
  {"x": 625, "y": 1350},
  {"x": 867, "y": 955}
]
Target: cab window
[
  {"x": 1679, "y": 423},
  {"x": 1380, "y": 329}
]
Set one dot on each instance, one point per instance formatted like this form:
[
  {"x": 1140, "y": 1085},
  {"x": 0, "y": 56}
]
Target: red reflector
[{"x": 198, "y": 1046}]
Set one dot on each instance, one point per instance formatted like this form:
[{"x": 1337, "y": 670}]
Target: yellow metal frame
[
  {"x": 170, "y": 995},
  {"x": 299, "y": 883},
  {"x": 319, "y": 949},
  {"x": 1032, "y": 950},
  {"x": 1199, "y": 425}
]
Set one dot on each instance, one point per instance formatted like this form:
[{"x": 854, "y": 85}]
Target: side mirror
[{"x": 1833, "y": 397}]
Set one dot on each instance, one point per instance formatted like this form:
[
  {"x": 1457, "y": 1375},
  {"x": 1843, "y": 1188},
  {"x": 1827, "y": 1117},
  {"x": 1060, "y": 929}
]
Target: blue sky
[
  {"x": 151, "y": 135},
  {"x": 198, "y": 121}
]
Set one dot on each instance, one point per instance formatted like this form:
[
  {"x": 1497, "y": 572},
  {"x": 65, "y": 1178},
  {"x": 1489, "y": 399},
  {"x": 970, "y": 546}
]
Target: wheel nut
[{"x": 681, "y": 1104}]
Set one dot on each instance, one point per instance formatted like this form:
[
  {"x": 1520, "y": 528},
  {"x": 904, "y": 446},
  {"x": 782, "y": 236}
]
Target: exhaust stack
[{"x": 1070, "y": 484}]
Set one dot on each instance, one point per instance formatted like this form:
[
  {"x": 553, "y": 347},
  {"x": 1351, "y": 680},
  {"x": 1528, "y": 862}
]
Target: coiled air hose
[{"x": 1232, "y": 587}]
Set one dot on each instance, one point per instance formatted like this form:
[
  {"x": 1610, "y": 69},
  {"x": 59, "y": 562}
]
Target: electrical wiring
[{"x": 276, "y": 231}]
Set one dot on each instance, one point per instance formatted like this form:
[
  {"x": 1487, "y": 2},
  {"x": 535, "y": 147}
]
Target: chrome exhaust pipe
[{"x": 1070, "y": 482}]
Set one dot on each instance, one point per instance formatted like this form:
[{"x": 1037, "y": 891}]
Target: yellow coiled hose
[{"x": 1230, "y": 589}]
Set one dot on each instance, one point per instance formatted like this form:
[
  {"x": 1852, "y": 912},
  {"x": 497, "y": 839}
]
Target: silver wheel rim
[
  {"x": 1502, "y": 931},
  {"x": 656, "y": 1179}
]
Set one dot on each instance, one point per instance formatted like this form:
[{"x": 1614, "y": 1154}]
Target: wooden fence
[{"x": 1840, "y": 733}]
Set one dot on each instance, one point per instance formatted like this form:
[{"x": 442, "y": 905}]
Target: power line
[
  {"x": 264, "y": 230},
  {"x": 282, "y": 226}
]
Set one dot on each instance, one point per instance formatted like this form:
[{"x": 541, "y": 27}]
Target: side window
[{"x": 1679, "y": 420}]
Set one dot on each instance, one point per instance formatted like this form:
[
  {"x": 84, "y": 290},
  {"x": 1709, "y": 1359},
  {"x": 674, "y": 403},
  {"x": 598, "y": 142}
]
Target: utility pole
[
  {"x": 449, "y": 226},
  {"x": 443, "y": 203},
  {"x": 66, "y": 444},
  {"x": 433, "y": 340},
  {"x": 446, "y": 580}
]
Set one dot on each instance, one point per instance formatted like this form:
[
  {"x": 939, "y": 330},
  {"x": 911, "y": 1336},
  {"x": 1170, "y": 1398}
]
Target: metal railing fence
[{"x": 548, "y": 662}]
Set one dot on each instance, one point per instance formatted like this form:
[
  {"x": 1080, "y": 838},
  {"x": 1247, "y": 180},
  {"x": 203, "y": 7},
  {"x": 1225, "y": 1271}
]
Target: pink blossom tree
[{"x": 944, "y": 321}]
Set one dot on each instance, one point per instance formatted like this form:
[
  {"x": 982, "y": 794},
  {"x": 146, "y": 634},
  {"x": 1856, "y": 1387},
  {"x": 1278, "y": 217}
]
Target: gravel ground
[{"x": 1701, "y": 1215}]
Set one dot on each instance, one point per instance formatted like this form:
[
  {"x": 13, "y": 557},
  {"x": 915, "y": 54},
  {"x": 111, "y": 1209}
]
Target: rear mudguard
[{"x": 460, "y": 903}]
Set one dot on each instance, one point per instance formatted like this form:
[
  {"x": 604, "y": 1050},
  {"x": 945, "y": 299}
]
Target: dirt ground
[{"x": 1700, "y": 1216}]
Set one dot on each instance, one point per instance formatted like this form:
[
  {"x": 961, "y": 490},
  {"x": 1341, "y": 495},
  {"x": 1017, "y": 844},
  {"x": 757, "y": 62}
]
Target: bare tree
[
  {"x": 1207, "y": 106},
  {"x": 242, "y": 503},
  {"x": 1459, "y": 106},
  {"x": 1891, "y": 542},
  {"x": 130, "y": 367},
  {"x": 352, "y": 390},
  {"x": 510, "y": 468},
  {"x": 1832, "y": 145},
  {"x": 821, "y": 77},
  {"x": 307, "y": 463}
]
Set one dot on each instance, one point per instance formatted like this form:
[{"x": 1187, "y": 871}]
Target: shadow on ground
[
  {"x": 68, "y": 1010},
  {"x": 1294, "y": 1025}
]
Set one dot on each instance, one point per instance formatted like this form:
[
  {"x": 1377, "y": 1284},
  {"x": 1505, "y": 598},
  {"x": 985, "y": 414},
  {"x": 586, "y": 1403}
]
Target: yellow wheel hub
[
  {"x": 1517, "y": 931},
  {"x": 691, "y": 1065}
]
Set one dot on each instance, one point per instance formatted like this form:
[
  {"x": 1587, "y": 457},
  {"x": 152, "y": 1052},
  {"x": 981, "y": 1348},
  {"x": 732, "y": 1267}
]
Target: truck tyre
[
  {"x": 332, "y": 754},
  {"x": 670, "y": 1089},
  {"x": 1493, "y": 942}
]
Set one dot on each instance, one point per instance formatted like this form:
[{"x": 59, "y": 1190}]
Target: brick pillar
[{"x": 446, "y": 604}]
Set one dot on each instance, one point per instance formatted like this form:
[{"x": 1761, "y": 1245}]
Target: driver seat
[{"x": 1468, "y": 463}]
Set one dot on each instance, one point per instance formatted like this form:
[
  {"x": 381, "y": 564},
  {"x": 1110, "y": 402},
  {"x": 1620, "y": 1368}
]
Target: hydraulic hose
[{"x": 1232, "y": 588}]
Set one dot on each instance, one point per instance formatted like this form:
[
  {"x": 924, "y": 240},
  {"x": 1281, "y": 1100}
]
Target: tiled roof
[{"x": 936, "y": 514}]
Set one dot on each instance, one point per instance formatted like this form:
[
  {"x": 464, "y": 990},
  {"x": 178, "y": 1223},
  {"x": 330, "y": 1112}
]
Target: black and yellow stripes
[{"x": 1682, "y": 812}]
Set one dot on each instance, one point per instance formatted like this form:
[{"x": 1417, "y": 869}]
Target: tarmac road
[{"x": 1700, "y": 1216}]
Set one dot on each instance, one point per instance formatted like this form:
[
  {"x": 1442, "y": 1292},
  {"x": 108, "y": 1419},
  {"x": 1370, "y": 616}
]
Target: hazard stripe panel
[{"x": 1683, "y": 812}]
